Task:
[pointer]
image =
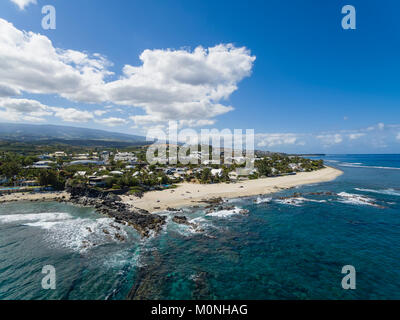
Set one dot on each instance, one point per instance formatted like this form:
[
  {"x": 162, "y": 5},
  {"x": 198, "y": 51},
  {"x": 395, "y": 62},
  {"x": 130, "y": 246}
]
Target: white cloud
[
  {"x": 195, "y": 123},
  {"x": 72, "y": 114},
  {"x": 112, "y": 121},
  {"x": 274, "y": 139},
  {"x": 30, "y": 63},
  {"x": 7, "y": 91},
  {"x": 330, "y": 139},
  {"x": 168, "y": 85},
  {"x": 398, "y": 136},
  {"x": 182, "y": 84},
  {"x": 355, "y": 136},
  {"x": 31, "y": 110},
  {"x": 23, "y": 3},
  {"x": 100, "y": 112},
  {"x": 23, "y": 110}
]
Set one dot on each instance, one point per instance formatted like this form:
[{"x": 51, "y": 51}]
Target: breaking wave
[
  {"x": 262, "y": 200},
  {"x": 75, "y": 234},
  {"x": 356, "y": 199},
  {"x": 359, "y": 165},
  {"x": 224, "y": 213},
  {"x": 297, "y": 202},
  {"x": 43, "y": 217},
  {"x": 390, "y": 192}
]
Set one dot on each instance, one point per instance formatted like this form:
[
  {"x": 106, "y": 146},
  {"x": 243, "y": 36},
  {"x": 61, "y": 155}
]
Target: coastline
[
  {"x": 35, "y": 196},
  {"x": 190, "y": 194}
]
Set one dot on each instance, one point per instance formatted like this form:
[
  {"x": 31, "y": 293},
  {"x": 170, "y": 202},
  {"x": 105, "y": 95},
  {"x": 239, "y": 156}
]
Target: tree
[
  {"x": 9, "y": 169},
  {"x": 264, "y": 168},
  {"x": 205, "y": 175},
  {"x": 51, "y": 178}
]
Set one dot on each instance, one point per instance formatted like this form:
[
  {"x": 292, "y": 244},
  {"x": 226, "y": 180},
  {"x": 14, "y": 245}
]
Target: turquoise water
[
  {"x": 282, "y": 250},
  {"x": 9, "y": 188}
]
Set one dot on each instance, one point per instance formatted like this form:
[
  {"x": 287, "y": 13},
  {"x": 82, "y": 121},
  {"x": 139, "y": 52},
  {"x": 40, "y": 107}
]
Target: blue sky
[{"x": 289, "y": 70}]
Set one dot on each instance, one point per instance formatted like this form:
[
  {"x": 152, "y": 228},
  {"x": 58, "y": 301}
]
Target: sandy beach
[
  {"x": 190, "y": 194},
  {"x": 27, "y": 196}
]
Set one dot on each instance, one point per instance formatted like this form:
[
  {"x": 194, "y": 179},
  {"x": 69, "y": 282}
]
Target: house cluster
[
  {"x": 196, "y": 157},
  {"x": 48, "y": 161},
  {"x": 129, "y": 157}
]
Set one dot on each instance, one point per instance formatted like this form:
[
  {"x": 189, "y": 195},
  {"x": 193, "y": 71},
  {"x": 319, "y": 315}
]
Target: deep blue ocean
[{"x": 284, "y": 249}]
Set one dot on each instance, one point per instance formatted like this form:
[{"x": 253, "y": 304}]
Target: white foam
[
  {"x": 291, "y": 201},
  {"x": 355, "y": 165},
  {"x": 298, "y": 201},
  {"x": 356, "y": 199},
  {"x": 224, "y": 213},
  {"x": 312, "y": 200},
  {"x": 42, "y": 217},
  {"x": 185, "y": 230},
  {"x": 203, "y": 223},
  {"x": 80, "y": 234},
  {"x": 123, "y": 258},
  {"x": 389, "y": 191},
  {"x": 260, "y": 200}
]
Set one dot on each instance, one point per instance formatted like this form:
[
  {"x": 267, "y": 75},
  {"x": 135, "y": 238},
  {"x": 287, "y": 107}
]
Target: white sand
[
  {"x": 189, "y": 194},
  {"x": 27, "y": 196}
]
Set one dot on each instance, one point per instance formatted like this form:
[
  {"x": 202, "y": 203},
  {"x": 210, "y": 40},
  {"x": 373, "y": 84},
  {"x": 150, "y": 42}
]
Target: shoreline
[
  {"x": 35, "y": 196},
  {"x": 190, "y": 194}
]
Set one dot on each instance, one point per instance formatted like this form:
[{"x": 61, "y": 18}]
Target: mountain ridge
[{"x": 38, "y": 132}]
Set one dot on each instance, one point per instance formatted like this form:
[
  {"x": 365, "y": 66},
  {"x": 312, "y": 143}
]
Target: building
[
  {"x": 116, "y": 173},
  {"x": 208, "y": 162},
  {"x": 233, "y": 175},
  {"x": 246, "y": 171},
  {"x": 80, "y": 174},
  {"x": 216, "y": 172},
  {"x": 44, "y": 157},
  {"x": 44, "y": 164},
  {"x": 86, "y": 162},
  {"x": 98, "y": 181},
  {"x": 29, "y": 183},
  {"x": 295, "y": 166},
  {"x": 59, "y": 154},
  {"x": 125, "y": 156}
]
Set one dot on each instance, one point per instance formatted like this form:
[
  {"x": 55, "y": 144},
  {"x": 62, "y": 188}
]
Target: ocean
[{"x": 285, "y": 248}]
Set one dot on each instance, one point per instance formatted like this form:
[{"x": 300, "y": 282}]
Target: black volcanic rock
[{"x": 109, "y": 204}]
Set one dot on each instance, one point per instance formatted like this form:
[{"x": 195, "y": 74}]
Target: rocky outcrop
[
  {"x": 184, "y": 220},
  {"x": 110, "y": 204}
]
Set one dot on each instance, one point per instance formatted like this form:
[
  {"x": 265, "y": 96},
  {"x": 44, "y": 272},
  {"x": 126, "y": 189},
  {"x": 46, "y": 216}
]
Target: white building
[
  {"x": 80, "y": 174},
  {"x": 117, "y": 173},
  {"x": 294, "y": 166},
  {"x": 216, "y": 172},
  {"x": 59, "y": 154},
  {"x": 233, "y": 175},
  {"x": 125, "y": 156},
  {"x": 42, "y": 164}
]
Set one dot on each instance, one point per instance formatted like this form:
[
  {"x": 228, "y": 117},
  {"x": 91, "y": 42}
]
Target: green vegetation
[{"x": 106, "y": 168}]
